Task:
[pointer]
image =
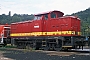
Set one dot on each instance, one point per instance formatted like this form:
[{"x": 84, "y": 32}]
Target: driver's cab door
[{"x": 45, "y": 24}]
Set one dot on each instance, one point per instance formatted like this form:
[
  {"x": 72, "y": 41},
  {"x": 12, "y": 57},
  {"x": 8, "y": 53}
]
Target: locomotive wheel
[
  {"x": 21, "y": 46},
  {"x": 29, "y": 47},
  {"x": 35, "y": 46},
  {"x": 5, "y": 43}
]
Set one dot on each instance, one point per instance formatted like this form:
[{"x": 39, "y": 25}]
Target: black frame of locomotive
[{"x": 50, "y": 42}]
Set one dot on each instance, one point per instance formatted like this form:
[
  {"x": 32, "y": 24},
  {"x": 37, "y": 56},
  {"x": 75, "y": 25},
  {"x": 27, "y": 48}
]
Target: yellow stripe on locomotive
[{"x": 46, "y": 33}]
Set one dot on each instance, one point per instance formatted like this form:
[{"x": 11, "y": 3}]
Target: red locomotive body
[
  {"x": 50, "y": 30},
  {"x": 52, "y": 26}
]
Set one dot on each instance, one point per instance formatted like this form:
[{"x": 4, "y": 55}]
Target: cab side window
[
  {"x": 53, "y": 15},
  {"x": 46, "y": 16},
  {"x": 37, "y": 17},
  {"x": 59, "y": 15}
]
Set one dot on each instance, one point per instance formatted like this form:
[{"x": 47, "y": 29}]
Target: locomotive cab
[{"x": 48, "y": 15}]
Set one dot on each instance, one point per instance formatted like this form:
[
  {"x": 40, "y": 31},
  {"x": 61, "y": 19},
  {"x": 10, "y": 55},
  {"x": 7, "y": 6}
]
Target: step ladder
[{"x": 43, "y": 43}]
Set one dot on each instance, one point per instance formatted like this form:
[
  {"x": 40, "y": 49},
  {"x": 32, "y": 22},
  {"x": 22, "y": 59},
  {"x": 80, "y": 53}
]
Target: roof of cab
[
  {"x": 39, "y": 15},
  {"x": 49, "y": 12}
]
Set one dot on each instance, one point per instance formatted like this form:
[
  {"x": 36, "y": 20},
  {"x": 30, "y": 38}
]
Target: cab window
[
  {"x": 59, "y": 15},
  {"x": 37, "y": 17},
  {"x": 46, "y": 16},
  {"x": 53, "y": 15}
]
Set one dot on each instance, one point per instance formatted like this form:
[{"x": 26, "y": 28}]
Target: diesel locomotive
[{"x": 49, "y": 31}]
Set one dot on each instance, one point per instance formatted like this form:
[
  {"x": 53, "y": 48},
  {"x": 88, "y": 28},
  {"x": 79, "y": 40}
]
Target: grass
[{"x": 10, "y": 46}]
